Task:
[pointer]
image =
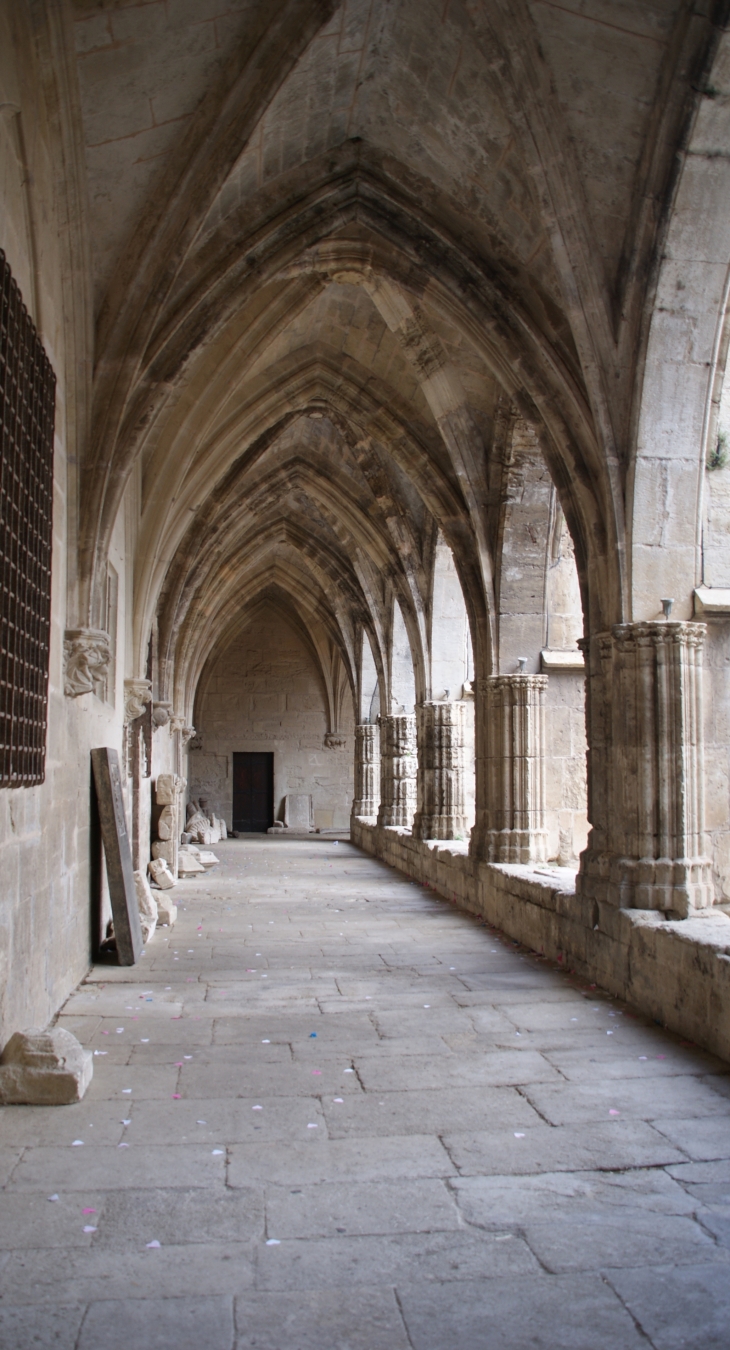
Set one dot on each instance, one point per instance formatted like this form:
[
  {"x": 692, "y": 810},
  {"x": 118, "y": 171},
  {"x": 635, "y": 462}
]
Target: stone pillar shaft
[
  {"x": 441, "y": 731},
  {"x": 647, "y": 846},
  {"x": 515, "y": 768},
  {"x": 398, "y": 767},
  {"x": 367, "y": 770}
]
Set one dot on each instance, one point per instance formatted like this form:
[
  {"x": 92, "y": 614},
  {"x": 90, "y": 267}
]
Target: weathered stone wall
[
  {"x": 45, "y": 910},
  {"x": 262, "y": 692}
]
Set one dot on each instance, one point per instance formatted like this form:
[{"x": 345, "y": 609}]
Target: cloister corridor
[{"x": 331, "y": 1111}]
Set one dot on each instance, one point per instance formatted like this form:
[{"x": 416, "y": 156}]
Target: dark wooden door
[{"x": 253, "y": 791}]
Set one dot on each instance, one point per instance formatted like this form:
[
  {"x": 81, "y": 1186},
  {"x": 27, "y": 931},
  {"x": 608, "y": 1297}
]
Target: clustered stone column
[
  {"x": 367, "y": 771},
  {"x": 441, "y": 729},
  {"x": 647, "y": 846},
  {"x": 398, "y": 769},
  {"x": 514, "y": 709}
]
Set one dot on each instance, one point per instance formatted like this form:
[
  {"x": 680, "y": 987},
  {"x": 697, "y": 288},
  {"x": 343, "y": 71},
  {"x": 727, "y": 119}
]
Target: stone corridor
[{"x": 330, "y": 1112}]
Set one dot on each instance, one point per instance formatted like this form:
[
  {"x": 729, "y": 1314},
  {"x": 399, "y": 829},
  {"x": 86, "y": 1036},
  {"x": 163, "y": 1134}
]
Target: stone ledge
[{"x": 677, "y": 972}]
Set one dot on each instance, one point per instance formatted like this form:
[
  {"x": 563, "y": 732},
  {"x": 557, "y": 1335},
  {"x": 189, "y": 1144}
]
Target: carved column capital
[
  {"x": 137, "y": 694},
  {"x": 177, "y": 722},
  {"x": 87, "y": 652}
]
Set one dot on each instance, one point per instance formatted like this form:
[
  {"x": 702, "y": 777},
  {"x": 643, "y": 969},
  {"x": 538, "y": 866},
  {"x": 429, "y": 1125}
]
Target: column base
[
  {"x": 440, "y": 826},
  {"x": 676, "y": 886},
  {"x": 517, "y": 846}
]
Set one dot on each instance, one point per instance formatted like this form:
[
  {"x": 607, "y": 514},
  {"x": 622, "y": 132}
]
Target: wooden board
[{"x": 119, "y": 869}]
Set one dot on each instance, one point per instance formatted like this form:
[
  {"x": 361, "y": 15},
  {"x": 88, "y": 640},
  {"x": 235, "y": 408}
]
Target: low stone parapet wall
[{"x": 677, "y": 972}]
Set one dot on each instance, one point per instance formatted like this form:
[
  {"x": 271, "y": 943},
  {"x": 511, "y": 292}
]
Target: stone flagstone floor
[{"x": 330, "y": 1112}]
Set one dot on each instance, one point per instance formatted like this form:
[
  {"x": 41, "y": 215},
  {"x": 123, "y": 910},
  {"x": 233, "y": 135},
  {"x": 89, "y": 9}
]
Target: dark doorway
[{"x": 253, "y": 791}]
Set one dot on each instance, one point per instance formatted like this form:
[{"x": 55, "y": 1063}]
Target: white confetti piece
[
  {"x": 257, "y": 1108},
  {"x": 145, "y": 1040},
  {"x": 217, "y": 1152},
  {"x": 53, "y": 1197},
  {"x": 89, "y": 1228},
  {"x": 273, "y": 1242},
  {"x": 338, "y": 1099},
  {"x": 519, "y": 1134},
  {"x": 77, "y": 1143},
  {"x": 126, "y": 1091},
  {"x": 349, "y": 1070},
  {"x": 266, "y": 1042},
  {"x": 122, "y": 1145},
  {"x": 201, "y": 1122},
  {"x": 312, "y": 1126},
  {"x": 154, "y": 1243},
  {"x": 125, "y": 1122}
]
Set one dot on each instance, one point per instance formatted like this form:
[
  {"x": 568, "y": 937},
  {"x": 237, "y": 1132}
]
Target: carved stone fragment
[
  {"x": 86, "y": 656},
  {"x": 137, "y": 694},
  {"x": 44, "y": 1068}
]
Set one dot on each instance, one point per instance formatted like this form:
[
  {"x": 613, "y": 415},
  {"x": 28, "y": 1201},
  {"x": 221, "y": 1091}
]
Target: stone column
[
  {"x": 398, "y": 767},
  {"x": 441, "y": 729},
  {"x": 515, "y": 768},
  {"x": 367, "y": 771},
  {"x": 647, "y": 846}
]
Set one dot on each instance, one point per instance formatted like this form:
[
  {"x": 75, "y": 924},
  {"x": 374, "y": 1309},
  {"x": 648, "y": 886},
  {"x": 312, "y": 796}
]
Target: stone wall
[{"x": 263, "y": 692}]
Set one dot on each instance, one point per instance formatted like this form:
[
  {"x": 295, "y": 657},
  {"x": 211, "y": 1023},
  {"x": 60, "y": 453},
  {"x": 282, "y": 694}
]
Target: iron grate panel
[{"x": 27, "y": 409}]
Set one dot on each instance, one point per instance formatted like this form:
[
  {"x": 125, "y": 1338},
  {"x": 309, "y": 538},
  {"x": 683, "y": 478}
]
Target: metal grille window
[{"x": 27, "y": 409}]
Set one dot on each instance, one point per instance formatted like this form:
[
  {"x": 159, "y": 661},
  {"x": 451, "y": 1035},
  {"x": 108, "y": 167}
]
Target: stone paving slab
[
  {"x": 679, "y": 1308},
  {"x": 326, "y": 1162},
  {"x": 355, "y": 1160},
  {"x": 321, "y": 1319},
  {"x": 349, "y": 1261},
  {"x": 540, "y": 1148},
  {"x": 185, "y": 1323},
  {"x": 566, "y": 1313}
]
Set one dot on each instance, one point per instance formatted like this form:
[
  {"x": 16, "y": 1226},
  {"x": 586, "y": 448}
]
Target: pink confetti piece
[
  {"x": 661, "y": 1056},
  {"x": 105, "y": 1033},
  {"x": 154, "y": 1243},
  {"x": 176, "y": 1096},
  {"x": 178, "y": 1064},
  {"x": 317, "y": 1072},
  {"x": 614, "y": 1113},
  {"x": 88, "y": 1211}
]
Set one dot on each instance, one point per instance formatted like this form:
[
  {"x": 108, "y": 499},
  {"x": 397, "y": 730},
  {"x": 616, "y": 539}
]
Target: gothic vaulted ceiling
[{"x": 334, "y": 247}]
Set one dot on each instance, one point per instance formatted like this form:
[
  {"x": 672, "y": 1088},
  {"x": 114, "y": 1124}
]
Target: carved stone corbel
[
  {"x": 177, "y": 722},
  {"x": 161, "y": 713},
  {"x": 333, "y": 740},
  {"x": 87, "y": 653},
  {"x": 187, "y": 734},
  {"x": 137, "y": 694}
]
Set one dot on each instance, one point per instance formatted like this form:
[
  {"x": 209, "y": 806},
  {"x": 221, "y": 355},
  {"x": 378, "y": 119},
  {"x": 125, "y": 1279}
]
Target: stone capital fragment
[
  {"x": 44, "y": 1068},
  {"x": 86, "y": 656}
]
